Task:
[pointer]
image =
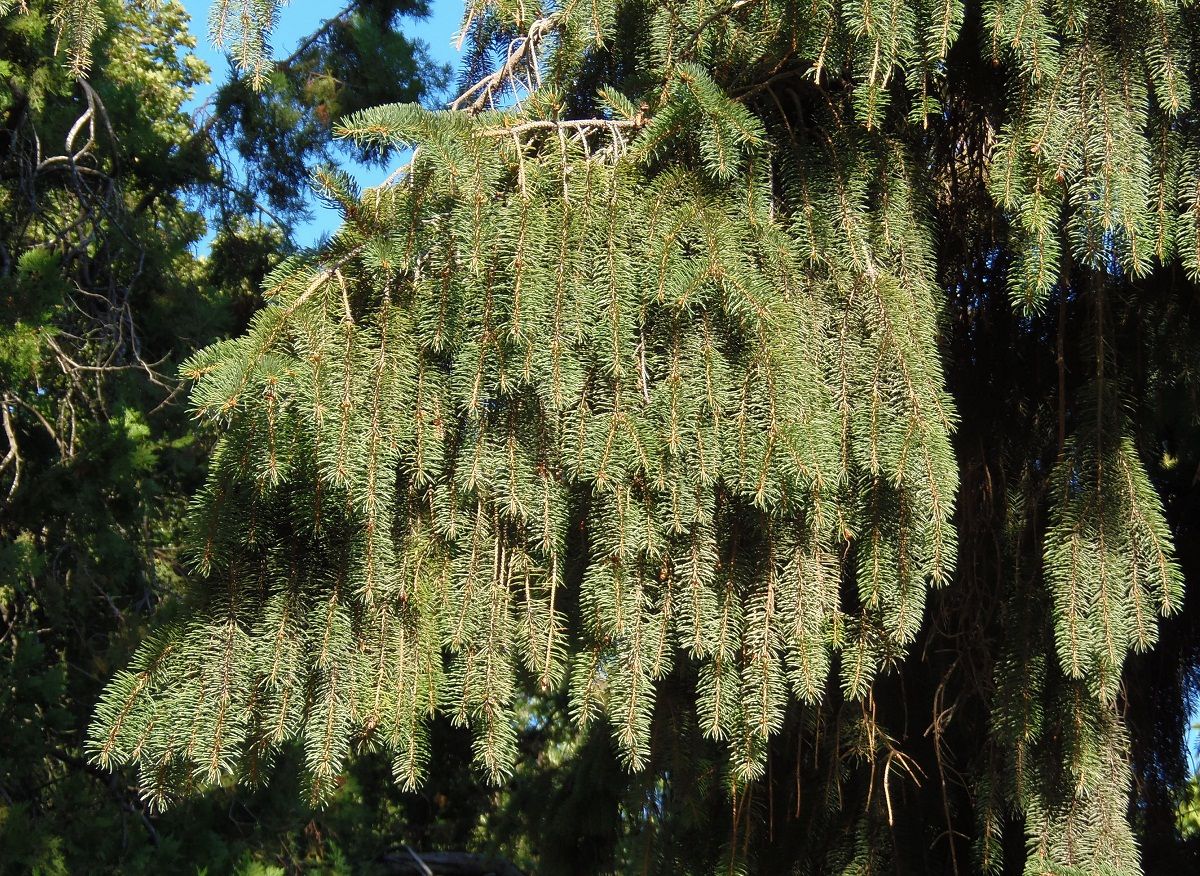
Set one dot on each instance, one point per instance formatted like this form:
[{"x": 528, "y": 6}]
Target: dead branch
[{"x": 522, "y": 54}]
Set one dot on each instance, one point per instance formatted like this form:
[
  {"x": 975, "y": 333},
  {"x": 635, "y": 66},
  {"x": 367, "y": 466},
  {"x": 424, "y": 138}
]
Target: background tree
[
  {"x": 271, "y": 129},
  {"x": 99, "y": 293},
  {"x": 105, "y": 185}
]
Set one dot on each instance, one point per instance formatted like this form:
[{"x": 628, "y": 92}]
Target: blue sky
[{"x": 297, "y": 20}]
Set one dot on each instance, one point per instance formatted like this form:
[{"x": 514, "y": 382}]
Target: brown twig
[{"x": 522, "y": 50}]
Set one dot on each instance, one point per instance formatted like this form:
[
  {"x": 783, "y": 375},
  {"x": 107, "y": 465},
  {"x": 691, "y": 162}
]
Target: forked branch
[{"x": 523, "y": 51}]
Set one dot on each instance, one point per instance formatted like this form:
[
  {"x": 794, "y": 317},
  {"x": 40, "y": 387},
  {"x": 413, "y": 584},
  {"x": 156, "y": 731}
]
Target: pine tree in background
[
  {"x": 268, "y": 130},
  {"x": 100, "y": 298},
  {"x": 102, "y": 295},
  {"x": 630, "y": 385}
]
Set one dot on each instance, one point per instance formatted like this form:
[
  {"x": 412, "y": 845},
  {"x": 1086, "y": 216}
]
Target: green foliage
[
  {"x": 278, "y": 120},
  {"x": 101, "y": 296},
  {"x": 78, "y": 23},
  {"x": 1189, "y": 809},
  {"x": 629, "y": 391},
  {"x": 245, "y": 26},
  {"x": 1109, "y": 561},
  {"x": 658, "y": 414},
  {"x": 91, "y": 286}
]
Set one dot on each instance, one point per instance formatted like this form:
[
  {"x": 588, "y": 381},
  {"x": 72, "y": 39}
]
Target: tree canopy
[
  {"x": 770, "y": 426},
  {"x": 107, "y": 187}
]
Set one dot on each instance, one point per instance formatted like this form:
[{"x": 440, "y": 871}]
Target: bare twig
[
  {"x": 11, "y": 399},
  {"x": 417, "y": 858},
  {"x": 13, "y": 457},
  {"x": 577, "y": 125},
  {"x": 521, "y": 51},
  {"x": 312, "y": 38}
]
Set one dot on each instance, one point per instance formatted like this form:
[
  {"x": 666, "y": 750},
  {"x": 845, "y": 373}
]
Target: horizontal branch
[
  {"x": 567, "y": 125},
  {"x": 409, "y": 863}
]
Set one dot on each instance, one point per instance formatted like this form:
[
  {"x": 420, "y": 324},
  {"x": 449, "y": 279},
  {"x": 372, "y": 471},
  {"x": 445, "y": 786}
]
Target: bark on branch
[{"x": 407, "y": 863}]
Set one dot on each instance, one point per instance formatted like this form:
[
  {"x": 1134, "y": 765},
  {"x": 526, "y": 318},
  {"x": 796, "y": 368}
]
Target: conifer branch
[{"x": 657, "y": 393}]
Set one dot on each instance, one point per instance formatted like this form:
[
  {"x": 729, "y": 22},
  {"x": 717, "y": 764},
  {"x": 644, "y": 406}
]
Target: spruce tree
[{"x": 630, "y": 384}]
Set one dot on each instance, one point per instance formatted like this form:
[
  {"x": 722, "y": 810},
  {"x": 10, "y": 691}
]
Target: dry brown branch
[
  {"x": 522, "y": 55},
  {"x": 13, "y": 457}
]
